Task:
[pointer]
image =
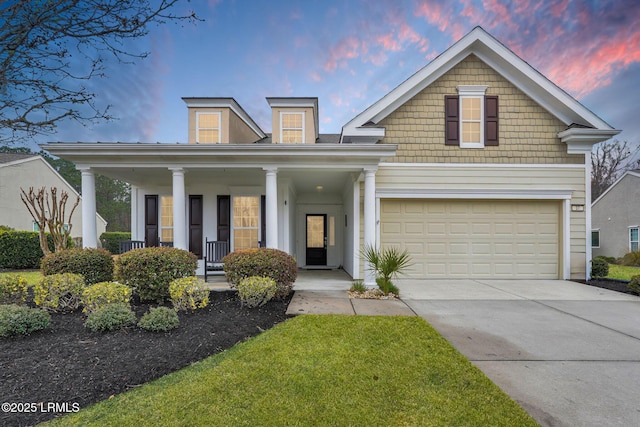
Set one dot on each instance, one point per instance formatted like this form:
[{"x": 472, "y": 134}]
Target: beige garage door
[{"x": 474, "y": 239}]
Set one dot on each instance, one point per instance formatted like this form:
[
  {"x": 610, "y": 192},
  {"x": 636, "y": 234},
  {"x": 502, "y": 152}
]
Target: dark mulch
[
  {"x": 68, "y": 363},
  {"x": 611, "y": 284}
]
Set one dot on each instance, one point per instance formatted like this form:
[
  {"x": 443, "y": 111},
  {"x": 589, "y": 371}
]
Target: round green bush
[
  {"x": 21, "y": 320},
  {"x": 96, "y": 265},
  {"x": 634, "y": 285},
  {"x": 256, "y": 291},
  {"x": 159, "y": 319},
  {"x": 264, "y": 262},
  {"x": 59, "y": 292},
  {"x": 599, "y": 268},
  {"x": 110, "y": 317},
  {"x": 149, "y": 271},
  {"x": 104, "y": 293},
  {"x": 631, "y": 259}
]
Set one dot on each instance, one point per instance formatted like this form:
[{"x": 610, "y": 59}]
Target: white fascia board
[
  {"x": 612, "y": 186},
  {"x": 582, "y": 140},
  {"x": 475, "y": 194},
  {"x": 230, "y": 103},
  {"x": 363, "y": 135},
  {"x": 505, "y": 62}
]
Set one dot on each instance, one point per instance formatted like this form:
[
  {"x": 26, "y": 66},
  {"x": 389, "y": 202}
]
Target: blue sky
[{"x": 351, "y": 53}]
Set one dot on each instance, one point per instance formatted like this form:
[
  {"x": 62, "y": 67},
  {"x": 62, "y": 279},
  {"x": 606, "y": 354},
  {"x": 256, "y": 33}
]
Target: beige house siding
[
  {"x": 309, "y": 123},
  {"x": 452, "y": 178},
  {"x": 614, "y": 213},
  {"x": 239, "y": 131},
  {"x": 527, "y": 132},
  {"x": 35, "y": 173}
]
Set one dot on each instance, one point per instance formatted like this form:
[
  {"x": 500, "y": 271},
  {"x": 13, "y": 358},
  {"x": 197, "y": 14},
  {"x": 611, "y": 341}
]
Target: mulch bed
[
  {"x": 611, "y": 284},
  {"x": 67, "y": 363}
]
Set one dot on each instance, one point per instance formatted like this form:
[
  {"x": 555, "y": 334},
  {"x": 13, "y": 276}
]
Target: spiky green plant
[{"x": 386, "y": 264}]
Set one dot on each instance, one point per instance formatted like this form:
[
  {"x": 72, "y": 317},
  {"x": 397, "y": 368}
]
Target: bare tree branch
[
  {"x": 50, "y": 49},
  {"x": 609, "y": 160}
]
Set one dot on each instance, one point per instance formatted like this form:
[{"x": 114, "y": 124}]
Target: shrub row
[
  {"x": 95, "y": 265},
  {"x": 21, "y": 249},
  {"x": 110, "y": 240},
  {"x": 262, "y": 262}
]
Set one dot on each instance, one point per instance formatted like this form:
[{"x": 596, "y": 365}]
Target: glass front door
[{"x": 316, "y": 239}]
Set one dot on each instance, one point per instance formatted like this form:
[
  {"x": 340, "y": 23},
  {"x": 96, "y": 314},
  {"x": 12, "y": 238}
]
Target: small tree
[
  {"x": 50, "y": 212},
  {"x": 386, "y": 265},
  {"x": 609, "y": 160}
]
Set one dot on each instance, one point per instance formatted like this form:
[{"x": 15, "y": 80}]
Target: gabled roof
[
  {"x": 522, "y": 75},
  {"x": 634, "y": 173},
  {"x": 6, "y": 158}
]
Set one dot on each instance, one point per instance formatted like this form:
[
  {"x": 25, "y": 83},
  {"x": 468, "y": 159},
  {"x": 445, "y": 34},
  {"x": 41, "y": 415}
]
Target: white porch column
[
  {"x": 369, "y": 219},
  {"x": 89, "y": 228},
  {"x": 271, "y": 207},
  {"x": 134, "y": 212},
  {"x": 179, "y": 217}
]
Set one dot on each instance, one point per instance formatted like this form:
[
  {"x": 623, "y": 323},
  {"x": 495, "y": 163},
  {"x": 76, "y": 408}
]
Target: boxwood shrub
[
  {"x": 59, "y": 292},
  {"x": 110, "y": 240},
  {"x": 110, "y": 317},
  {"x": 599, "y": 268},
  {"x": 95, "y": 265},
  {"x": 21, "y": 320},
  {"x": 159, "y": 319},
  {"x": 21, "y": 249},
  {"x": 149, "y": 271},
  {"x": 264, "y": 262}
]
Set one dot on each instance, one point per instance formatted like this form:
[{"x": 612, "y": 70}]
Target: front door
[{"x": 316, "y": 239}]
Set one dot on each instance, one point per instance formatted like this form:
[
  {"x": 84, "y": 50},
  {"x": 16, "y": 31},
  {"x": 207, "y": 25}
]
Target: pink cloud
[
  {"x": 315, "y": 76},
  {"x": 347, "y": 48}
]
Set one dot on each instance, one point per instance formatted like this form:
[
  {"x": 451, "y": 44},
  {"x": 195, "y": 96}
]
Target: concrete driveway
[{"x": 568, "y": 353}]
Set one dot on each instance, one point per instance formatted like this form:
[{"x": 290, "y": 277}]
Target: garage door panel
[{"x": 483, "y": 239}]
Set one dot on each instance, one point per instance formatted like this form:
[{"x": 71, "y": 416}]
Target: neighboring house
[
  {"x": 616, "y": 217},
  {"x": 30, "y": 170},
  {"x": 477, "y": 164}
]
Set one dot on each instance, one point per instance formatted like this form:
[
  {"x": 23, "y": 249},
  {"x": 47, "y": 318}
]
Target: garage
[{"x": 500, "y": 239}]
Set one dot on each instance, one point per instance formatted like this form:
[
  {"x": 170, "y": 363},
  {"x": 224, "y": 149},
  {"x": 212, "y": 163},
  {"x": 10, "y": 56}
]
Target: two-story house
[{"x": 477, "y": 164}]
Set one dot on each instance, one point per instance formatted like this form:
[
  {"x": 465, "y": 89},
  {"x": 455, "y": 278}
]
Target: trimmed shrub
[
  {"x": 21, "y": 320},
  {"x": 631, "y": 259},
  {"x": 96, "y": 265},
  {"x": 13, "y": 289},
  {"x": 110, "y": 317},
  {"x": 188, "y": 293},
  {"x": 149, "y": 271},
  {"x": 5, "y": 228},
  {"x": 21, "y": 249},
  {"x": 264, "y": 262},
  {"x": 110, "y": 240},
  {"x": 609, "y": 259},
  {"x": 59, "y": 292},
  {"x": 256, "y": 291},
  {"x": 634, "y": 285},
  {"x": 159, "y": 319},
  {"x": 599, "y": 268},
  {"x": 104, "y": 293}
]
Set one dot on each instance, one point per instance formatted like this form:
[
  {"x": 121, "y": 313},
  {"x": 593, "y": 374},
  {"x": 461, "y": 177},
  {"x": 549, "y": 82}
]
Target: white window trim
[
  {"x": 636, "y": 241},
  {"x": 302, "y": 113},
  {"x": 465, "y": 91},
  {"x": 595, "y": 230},
  {"x": 219, "y": 114}
]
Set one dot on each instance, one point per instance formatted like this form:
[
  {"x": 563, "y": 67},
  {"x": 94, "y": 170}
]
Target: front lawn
[
  {"x": 32, "y": 276},
  {"x": 320, "y": 370},
  {"x": 621, "y": 272}
]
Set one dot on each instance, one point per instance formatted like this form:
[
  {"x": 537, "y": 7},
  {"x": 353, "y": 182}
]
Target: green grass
[
  {"x": 32, "y": 276},
  {"x": 320, "y": 371},
  {"x": 622, "y": 272}
]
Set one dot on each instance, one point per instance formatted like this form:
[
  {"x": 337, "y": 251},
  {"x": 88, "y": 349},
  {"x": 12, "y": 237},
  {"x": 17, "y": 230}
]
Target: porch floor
[{"x": 308, "y": 280}]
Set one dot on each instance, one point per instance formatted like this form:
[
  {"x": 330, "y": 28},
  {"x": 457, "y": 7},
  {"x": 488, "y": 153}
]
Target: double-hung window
[
  {"x": 633, "y": 239},
  {"x": 208, "y": 128},
  {"x": 246, "y": 222},
  {"x": 292, "y": 128},
  {"x": 166, "y": 219},
  {"x": 471, "y": 118},
  {"x": 595, "y": 238}
]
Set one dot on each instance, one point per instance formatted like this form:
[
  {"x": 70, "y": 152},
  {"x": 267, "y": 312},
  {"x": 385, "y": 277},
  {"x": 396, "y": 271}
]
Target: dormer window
[
  {"x": 208, "y": 128},
  {"x": 471, "y": 118},
  {"x": 292, "y": 128}
]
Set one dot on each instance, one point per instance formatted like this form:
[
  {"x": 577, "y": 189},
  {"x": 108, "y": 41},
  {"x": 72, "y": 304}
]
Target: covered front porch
[{"x": 302, "y": 199}]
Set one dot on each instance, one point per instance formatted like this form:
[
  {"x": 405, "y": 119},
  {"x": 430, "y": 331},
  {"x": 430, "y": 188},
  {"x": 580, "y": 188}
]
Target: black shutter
[
  {"x": 263, "y": 220},
  {"x": 195, "y": 225},
  {"x": 151, "y": 220},
  {"x": 452, "y": 120},
  {"x": 224, "y": 218},
  {"x": 491, "y": 121}
]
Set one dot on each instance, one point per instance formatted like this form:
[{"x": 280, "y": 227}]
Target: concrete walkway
[{"x": 568, "y": 353}]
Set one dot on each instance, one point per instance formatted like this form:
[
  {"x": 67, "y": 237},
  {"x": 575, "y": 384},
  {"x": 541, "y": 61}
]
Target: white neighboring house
[
  {"x": 29, "y": 170},
  {"x": 616, "y": 217}
]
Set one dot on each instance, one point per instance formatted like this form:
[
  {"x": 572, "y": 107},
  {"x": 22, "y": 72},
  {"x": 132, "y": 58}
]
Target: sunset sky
[{"x": 351, "y": 53}]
